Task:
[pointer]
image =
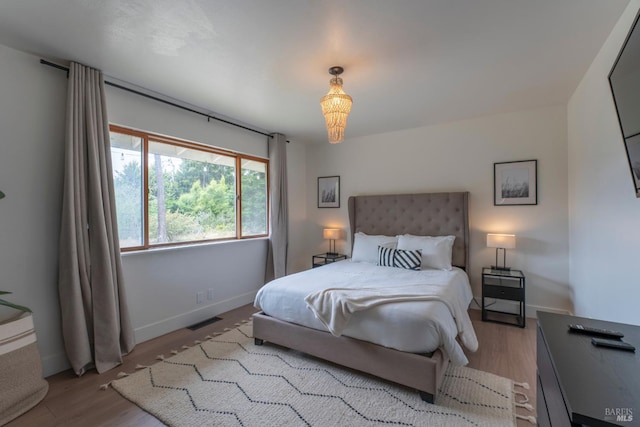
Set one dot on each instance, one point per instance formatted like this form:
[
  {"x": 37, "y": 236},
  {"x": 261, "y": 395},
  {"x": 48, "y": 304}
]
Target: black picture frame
[
  {"x": 328, "y": 192},
  {"x": 515, "y": 183}
]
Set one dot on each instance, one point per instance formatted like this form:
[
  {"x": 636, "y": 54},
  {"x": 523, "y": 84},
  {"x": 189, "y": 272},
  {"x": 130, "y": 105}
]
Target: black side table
[
  {"x": 505, "y": 285},
  {"x": 324, "y": 259}
]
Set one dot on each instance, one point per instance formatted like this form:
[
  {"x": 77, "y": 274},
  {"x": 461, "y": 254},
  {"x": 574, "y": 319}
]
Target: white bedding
[{"x": 412, "y": 326}]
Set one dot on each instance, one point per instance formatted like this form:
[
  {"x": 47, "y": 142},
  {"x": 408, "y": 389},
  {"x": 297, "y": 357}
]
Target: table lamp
[
  {"x": 504, "y": 242},
  {"x": 331, "y": 234}
]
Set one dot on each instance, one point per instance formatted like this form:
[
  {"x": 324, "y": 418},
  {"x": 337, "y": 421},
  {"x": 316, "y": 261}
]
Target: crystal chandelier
[{"x": 336, "y": 106}]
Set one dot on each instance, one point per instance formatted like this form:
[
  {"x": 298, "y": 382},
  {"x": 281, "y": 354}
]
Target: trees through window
[{"x": 170, "y": 191}]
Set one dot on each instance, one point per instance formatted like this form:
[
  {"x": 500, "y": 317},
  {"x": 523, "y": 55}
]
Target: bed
[{"x": 399, "y": 359}]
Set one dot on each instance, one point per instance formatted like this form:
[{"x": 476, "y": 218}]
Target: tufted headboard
[{"x": 427, "y": 214}]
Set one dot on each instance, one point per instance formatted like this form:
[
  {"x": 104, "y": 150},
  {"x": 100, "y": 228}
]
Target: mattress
[{"x": 415, "y": 326}]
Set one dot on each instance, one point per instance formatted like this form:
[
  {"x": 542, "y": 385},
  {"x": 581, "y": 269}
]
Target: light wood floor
[{"x": 504, "y": 350}]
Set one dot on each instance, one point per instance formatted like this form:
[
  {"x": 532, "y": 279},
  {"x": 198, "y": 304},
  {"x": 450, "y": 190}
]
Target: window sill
[{"x": 189, "y": 246}]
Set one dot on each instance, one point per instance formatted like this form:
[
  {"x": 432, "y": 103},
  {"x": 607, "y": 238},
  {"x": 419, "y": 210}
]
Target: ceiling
[{"x": 408, "y": 63}]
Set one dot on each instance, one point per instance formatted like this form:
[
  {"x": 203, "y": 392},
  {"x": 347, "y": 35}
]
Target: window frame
[{"x": 147, "y": 137}]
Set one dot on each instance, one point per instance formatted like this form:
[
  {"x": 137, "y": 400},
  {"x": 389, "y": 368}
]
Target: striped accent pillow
[{"x": 409, "y": 259}]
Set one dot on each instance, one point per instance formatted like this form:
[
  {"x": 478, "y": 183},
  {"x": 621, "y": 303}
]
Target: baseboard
[
  {"x": 54, "y": 363},
  {"x": 533, "y": 308},
  {"x": 512, "y": 307},
  {"x": 170, "y": 324}
]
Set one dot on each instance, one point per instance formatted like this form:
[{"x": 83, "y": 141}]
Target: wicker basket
[{"x": 21, "y": 383}]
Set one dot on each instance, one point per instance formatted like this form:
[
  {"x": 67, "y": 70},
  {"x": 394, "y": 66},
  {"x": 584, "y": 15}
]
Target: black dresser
[{"x": 581, "y": 384}]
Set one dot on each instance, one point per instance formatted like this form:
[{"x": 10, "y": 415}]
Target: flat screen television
[{"x": 624, "y": 80}]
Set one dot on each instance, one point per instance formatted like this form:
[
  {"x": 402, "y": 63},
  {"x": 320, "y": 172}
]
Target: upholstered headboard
[{"x": 427, "y": 214}]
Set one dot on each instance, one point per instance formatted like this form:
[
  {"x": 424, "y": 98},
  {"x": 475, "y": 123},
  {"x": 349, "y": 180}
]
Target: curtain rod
[{"x": 173, "y": 104}]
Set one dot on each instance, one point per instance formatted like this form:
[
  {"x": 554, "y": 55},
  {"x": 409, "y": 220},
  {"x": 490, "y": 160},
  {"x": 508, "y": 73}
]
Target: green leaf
[
  {"x": 12, "y": 305},
  {"x": 1, "y": 195}
]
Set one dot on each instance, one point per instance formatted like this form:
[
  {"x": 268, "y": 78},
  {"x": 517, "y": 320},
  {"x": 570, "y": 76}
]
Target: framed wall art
[
  {"x": 329, "y": 192},
  {"x": 515, "y": 183}
]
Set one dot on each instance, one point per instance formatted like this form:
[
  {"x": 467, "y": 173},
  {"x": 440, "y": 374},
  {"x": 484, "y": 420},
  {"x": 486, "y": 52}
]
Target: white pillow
[
  {"x": 436, "y": 250},
  {"x": 365, "y": 247}
]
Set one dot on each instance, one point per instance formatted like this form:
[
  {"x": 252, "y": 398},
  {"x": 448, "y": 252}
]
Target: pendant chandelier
[{"x": 336, "y": 106}]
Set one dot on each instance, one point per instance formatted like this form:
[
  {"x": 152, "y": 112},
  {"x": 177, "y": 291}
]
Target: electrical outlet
[
  {"x": 210, "y": 294},
  {"x": 199, "y": 297}
]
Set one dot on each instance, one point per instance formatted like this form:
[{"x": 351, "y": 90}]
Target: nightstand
[
  {"x": 324, "y": 259},
  {"x": 503, "y": 285}
]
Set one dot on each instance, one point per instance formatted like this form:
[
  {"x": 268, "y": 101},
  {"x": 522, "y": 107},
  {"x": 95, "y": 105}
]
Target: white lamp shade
[
  {"x": 506, "y": 241},
  {"x": 331, "y": 233}
]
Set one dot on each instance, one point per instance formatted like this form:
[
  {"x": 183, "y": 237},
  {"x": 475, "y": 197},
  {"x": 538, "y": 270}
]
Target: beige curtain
[
  {"x": 278, "y": 239},
  {"x": 95, "y": 320}
]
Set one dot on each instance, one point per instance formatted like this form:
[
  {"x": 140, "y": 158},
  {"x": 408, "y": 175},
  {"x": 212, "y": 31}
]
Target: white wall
[
  {"x": 32, "y": 113},
  {"x": 161, "y": 284},
  {"x": 459, "y": 156},
  {"x": 603, "y": 210},
  {"x": 137, "y": 112}
]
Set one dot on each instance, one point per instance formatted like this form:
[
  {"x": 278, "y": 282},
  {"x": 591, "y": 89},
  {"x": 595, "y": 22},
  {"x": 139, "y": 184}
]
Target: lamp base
[
  {"x": 494, "y": 267},
  {"x": 332, "y": 253}
]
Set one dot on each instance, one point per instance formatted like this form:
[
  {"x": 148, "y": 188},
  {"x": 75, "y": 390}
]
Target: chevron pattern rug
[{"x": 228, "y": 381}]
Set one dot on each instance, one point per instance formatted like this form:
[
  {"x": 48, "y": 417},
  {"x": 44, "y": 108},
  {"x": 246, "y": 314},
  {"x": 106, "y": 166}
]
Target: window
[{"x": 171, "y": 192}]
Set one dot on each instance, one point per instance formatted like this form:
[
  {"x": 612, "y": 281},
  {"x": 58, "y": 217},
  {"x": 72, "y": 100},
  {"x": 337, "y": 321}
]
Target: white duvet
[{"x": 417, "y": 325}]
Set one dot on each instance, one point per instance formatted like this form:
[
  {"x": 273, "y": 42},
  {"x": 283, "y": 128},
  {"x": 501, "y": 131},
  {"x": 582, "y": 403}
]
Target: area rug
[{"x": 229, "y": 381}]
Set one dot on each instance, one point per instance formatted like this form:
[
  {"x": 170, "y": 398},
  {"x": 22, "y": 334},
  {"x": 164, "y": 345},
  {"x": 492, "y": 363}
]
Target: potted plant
[{"x": 21, "y": 383}]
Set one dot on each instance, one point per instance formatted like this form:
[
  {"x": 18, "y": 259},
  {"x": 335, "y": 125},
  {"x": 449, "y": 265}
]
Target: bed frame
[{"x": 429, "y": 214}]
